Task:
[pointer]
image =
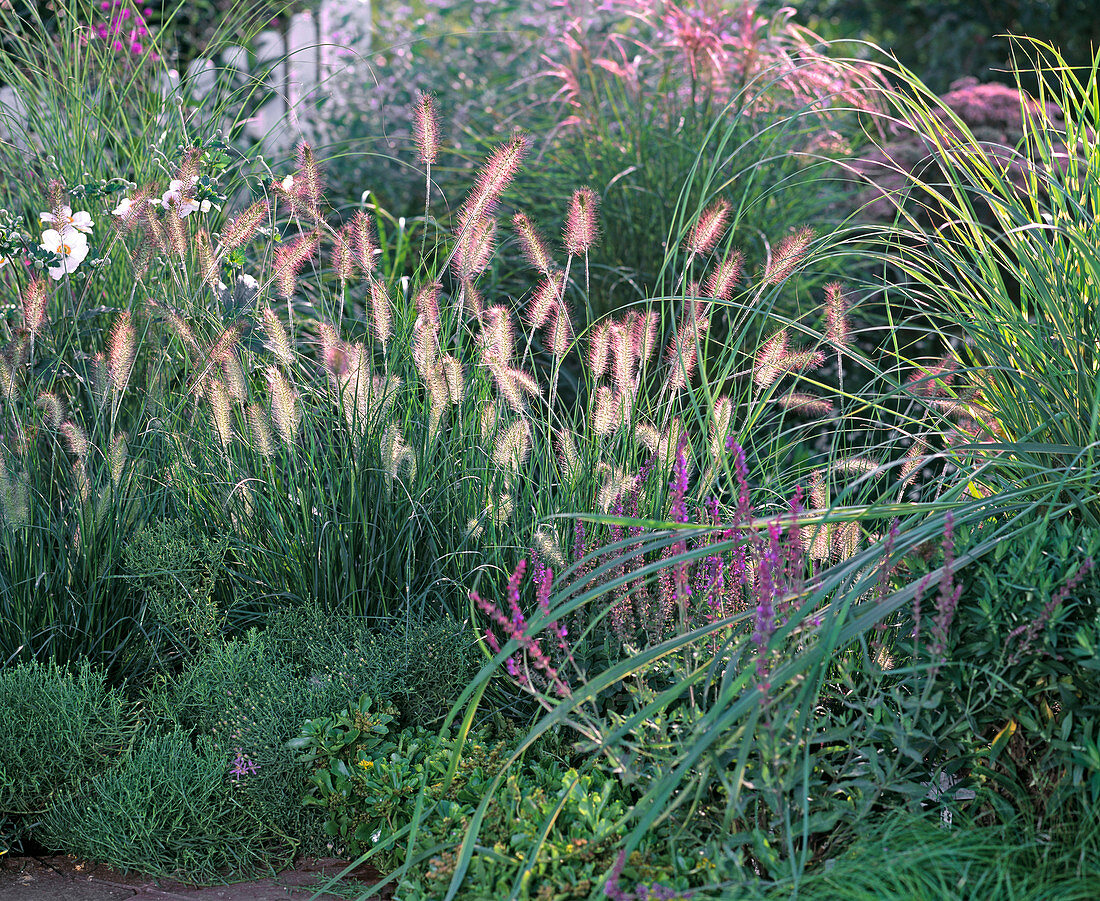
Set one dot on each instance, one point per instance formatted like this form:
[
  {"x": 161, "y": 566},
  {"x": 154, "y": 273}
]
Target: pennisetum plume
[
  {"x": 788, "y": 256},
  {"x": 707, "y": 230},
  {"x": 121, "y": 352},
  {"x": 290, "y": 258}
]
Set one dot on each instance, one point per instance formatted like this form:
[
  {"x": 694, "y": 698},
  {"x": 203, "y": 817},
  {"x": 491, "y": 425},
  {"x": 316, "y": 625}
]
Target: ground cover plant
[{"x": 342, "y": 547}]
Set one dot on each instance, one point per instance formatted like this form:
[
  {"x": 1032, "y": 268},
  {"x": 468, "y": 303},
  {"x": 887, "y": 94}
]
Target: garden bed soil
[{"x": 66, "y": 879}]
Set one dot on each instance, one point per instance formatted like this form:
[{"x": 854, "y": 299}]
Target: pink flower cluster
[{"x": 125, "y": 28}]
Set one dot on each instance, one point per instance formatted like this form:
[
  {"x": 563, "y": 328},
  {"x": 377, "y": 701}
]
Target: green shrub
[
  {"x": 419, "y": 666},
  {"x": 367, "y": 777},
  {"x": 1021, "y": 681},
  {"x": 57, "y": 727},
  {"x": 173, "y": 567},
  {"x": 251, "y": 694},
  {"x": 170, "y": 808}
]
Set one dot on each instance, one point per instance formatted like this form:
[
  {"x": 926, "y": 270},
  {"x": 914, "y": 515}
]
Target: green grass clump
[
  {"x": 170, "y": 808},
  {"x": 58, "y": 725},
  {"x": 910, "y": 855}
]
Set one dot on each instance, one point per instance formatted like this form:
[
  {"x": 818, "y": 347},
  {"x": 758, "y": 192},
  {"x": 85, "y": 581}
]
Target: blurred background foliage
[{"x": 945, "y": 40}]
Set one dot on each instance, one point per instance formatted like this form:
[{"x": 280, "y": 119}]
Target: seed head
[
  {"x": 261, "y": 431},
  {"x": 487, "y": 420},
  {"x": 204, "y": 253},
  {"x": 603, "y": 417},
  {"x": 645, "y": 335},
  {"x": 837, "y": 331},
  {"x": 805, "y": 404},
  {"x": 708, "y": 228},
  {"x": 581, "y": 225},
  {"x": 363, "y": 244},
  {"x": 220, "y": 412},
  {"x": 683, "y": 353},
  {"x": 34, "y": 306},
  {"x": 426, "y": 125},
  {"x": 599, "y": 345},
  {"x": 561, "y": 331},
  {"x": 423, "y": 345},
  {"x": 534, "y": 247},
  {"x": 513, "y": 446},
  {"x": 543, "y": 300},
  {"x": 334, "y": 352},
  {"x": 76, "y": 439},
  {"x": 569, "y": 459},
  {"x": 343, "y": 263},
  {"x": 176, "y": 234},
  {"x": 935, "y": 380},
  {"x": 284, "y": 405},
  {"x": 720, "y": 422},
  {"x": 235, "y": 384},
  {"x": 117, "y": 455},
  {"x": 621, "y": 339},
  {"x": 308, "y": 183},
  {"x": 788, "y": 255},
  {"x": 427, "y": 302},
  {"x": 53, "y": 410},
  {"x": 242, "y": 229},
  {"x": 513, "y": 384},
  {"x": 121, "y": 351},
  {"x": 769, "y": 359},
  {"x": 476, "y": 244},
  {"x": 497, "y": 337},
  {"x": 493, "y": 178},
  {"x": 289, "y": 260},
  {"x": 722, "y": 280},
  {"x": 381, "y": 312}
]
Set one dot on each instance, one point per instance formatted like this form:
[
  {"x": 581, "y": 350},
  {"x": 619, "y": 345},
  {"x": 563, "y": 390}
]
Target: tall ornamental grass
[
  {"x": 1010, "y": 266},
  {"x": 723, "y": 719}
]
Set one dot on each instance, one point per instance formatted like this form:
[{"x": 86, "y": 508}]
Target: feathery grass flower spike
[
  {"x": 708, "y": 228},
  {"x": 788, "y": 256},
  {"x": 72, "y": 247},
  {"x": 427, "y": 128},
  {"x": 581, "y": 226}
]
